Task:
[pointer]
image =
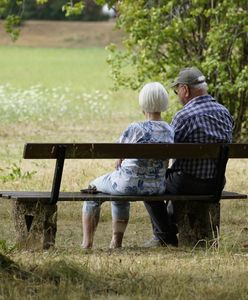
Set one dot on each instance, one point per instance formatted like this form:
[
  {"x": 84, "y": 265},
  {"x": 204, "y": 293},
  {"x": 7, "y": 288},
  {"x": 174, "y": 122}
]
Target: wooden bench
[{"x": 198, "y": 216}]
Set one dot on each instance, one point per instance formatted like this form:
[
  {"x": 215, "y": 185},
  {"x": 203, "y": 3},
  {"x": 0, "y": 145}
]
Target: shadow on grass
[
  {"x": 117, "y": 278},
  {"x": 61, "y": 278},
  {"x": 9, "y": 268}
]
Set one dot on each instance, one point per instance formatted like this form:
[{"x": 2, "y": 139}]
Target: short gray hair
[
  {"x": 200, "y": 86},
  {"x": 153, "y": 97}
]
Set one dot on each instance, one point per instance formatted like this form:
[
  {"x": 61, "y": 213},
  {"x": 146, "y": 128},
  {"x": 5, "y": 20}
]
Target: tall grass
[{"x": 64, "y": 95}]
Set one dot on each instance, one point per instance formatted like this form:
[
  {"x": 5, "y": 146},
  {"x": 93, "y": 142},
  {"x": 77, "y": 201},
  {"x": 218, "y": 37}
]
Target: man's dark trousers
[{"x": 164, "y": 227}]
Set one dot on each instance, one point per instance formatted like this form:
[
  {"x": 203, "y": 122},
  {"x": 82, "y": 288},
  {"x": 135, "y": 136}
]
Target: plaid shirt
[{"x": 202, "y": 120}]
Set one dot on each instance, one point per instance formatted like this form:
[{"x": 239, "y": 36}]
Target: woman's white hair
[{"x": 153, "y": 97}]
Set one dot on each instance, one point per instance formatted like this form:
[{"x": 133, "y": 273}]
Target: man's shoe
[
  {"x": 156, "y": 242},
  {"x": 153, "y": 243},
  {"x": 172, "y": 241}
]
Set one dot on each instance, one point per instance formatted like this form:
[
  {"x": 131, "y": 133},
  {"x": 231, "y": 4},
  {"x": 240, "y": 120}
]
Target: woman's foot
[
  {"x": 118, "y": 229},
  {"x": 90, "y": 223},
  {"x": 116, "y": 241}
]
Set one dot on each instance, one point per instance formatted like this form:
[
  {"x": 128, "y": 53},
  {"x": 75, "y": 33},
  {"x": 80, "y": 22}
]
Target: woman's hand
[{"x": 118, "y": 163}]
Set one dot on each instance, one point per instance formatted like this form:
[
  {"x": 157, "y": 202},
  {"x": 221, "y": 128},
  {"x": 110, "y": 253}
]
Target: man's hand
[{"x": 118, "y": 163}]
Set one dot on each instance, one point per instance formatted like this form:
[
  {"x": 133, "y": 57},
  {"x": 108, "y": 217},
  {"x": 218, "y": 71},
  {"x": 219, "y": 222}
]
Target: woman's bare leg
[{"x": 118, "y": 230}]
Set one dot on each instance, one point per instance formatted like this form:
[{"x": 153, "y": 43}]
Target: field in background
[
  {"x": 82, "y": 69},
  {"x": 64, "y": 95},
  {"x": 64, "y": 34}
]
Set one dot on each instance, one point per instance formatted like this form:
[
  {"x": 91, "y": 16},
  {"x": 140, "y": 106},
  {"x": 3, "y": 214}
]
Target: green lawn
[
  {"x": 77, "y": 68},
  {"x": 64, "y": 95}
]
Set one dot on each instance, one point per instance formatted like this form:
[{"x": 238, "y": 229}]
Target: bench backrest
[
  {"x": 60, "y": 152},
  {"x": 111, "y": 150}
]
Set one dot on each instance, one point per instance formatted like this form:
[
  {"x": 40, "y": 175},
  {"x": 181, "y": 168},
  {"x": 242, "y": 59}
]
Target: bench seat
[{"x": 78, "y": 196}]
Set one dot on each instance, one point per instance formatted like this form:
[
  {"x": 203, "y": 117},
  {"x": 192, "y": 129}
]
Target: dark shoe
[{"x": 172, "y": 241}]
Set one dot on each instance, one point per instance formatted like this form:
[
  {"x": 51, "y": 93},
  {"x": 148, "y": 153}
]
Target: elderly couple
[{"x": 201, "y": 120}]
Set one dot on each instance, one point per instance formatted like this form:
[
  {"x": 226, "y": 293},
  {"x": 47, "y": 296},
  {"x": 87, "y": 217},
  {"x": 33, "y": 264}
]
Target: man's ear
[{"x": 187, "y": 92}]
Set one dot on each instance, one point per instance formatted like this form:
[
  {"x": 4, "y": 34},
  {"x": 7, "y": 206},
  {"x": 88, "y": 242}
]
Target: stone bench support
[
  {"x": 35, "y": 224},
  {"x": 198, "y": 223}
]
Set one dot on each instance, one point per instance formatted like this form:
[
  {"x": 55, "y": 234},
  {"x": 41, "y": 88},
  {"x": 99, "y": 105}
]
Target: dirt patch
[{"x": 64, "y": 34}]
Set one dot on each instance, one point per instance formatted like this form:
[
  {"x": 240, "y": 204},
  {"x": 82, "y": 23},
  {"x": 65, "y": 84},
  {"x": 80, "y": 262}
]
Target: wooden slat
[
  {"x": 238, "y": 151},
  {"x": 113, "y": 150},
  {"x": 77, "y": 196},
  {"x": 3, "y": 193},
  {"x": 233, "y": 195}
]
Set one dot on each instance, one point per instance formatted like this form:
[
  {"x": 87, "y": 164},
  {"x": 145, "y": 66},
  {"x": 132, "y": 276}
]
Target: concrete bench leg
[
  {"x": 198, "y": 223},
  {"x": 35, "y": 224}
]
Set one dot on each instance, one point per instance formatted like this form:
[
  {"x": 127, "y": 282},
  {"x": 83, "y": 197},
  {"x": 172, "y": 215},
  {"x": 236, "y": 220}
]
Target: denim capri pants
[{"x": 119, "y": 209}]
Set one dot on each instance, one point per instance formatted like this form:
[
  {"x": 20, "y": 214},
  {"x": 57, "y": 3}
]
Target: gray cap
[{"x": 189, "y": 76}]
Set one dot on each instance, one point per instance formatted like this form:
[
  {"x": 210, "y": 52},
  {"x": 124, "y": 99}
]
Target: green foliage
[
  {"x": 75, "y": 9},
  {"x": 52, "y": 10},
  {"x": 11, "y": 25},
  {"x": 5, "y": 248},
  {"x": 164, "y": 36},
  {"x": 41, "y": 1},
  {"x": 16, "y": 173}
]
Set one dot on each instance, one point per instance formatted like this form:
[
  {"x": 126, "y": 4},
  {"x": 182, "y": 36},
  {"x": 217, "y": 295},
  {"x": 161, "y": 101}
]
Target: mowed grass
[
  {"x": 64, "y": 95},
  {"x": 77, "y": 68}
]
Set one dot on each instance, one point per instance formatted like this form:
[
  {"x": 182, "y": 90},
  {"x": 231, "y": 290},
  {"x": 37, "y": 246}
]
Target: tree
[
  {"x": 52, "y": 10},
  {"x": 163, "y": 36},
  {"x": 15, "y": 11}
]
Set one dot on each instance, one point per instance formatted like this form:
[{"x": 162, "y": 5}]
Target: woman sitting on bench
[{"x": 132, "y": 176}]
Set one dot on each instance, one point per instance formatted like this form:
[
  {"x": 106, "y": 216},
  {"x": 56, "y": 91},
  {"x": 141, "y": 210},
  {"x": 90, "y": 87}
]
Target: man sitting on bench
[{"x": 201, "y": 120}]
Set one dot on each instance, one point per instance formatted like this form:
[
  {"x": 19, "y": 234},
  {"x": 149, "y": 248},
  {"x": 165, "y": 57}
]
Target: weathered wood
[
  {"x": 198, "y": 223},
  {"x": 114, "y": 150},
  {"x": 77, "y": 196},
  {"x": 221, "y": 170},
  {"x": 57, "y": 175},
  {"x": 35, "y": 224}
]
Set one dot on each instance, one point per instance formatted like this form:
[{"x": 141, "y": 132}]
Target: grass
[
  {"x": 53, "y": 68},
  {"x": 63, "y": 95}
]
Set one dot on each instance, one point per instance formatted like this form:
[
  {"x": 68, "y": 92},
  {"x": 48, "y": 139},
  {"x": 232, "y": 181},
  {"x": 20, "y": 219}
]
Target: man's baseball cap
[{"x": 189, "y": 76}]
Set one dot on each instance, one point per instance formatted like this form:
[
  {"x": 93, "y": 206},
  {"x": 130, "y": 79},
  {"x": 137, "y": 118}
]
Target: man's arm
[{"x": 183, "y": 127}]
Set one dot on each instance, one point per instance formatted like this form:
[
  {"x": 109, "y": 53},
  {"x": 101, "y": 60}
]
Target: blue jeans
[{"x": 119, "y": 209}]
